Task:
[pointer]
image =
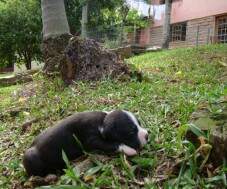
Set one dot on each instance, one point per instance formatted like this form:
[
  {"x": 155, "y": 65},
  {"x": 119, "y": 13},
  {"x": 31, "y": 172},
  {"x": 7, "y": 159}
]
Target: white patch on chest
[{"x": 108, "y": 112}]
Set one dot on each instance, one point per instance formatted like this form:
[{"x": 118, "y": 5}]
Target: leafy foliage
[
  {"x": 134, "y": 19},
  {"x": 73, "y": 11},
  {"x": 102, "y": 14},
  {"x": 20, "y": 31}
]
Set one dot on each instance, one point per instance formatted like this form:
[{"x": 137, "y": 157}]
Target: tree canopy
[
  {"x": 20, "y": 31},
  {"x": 102, "y": 13}
]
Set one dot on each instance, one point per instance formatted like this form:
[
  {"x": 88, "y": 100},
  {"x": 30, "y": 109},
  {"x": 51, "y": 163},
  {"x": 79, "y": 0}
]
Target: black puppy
[{"x": 108, "y": 132}]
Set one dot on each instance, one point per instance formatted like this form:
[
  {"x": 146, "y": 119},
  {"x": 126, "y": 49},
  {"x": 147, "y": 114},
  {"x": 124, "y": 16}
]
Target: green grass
[
  {"x": 177, "y": 82},
  {"x": 6, "y": 95}
]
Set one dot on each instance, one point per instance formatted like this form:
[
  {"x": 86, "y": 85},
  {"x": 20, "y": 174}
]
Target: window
[
  {"x": 178, "y": 32},
  {"x": 222, "y": 29}
]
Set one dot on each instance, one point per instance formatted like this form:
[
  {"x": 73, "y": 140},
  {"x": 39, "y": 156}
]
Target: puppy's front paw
[{"x": 127, "y": 150}]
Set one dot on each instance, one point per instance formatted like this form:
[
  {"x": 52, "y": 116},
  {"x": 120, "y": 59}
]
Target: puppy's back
[{"x": 46, "y": 151}]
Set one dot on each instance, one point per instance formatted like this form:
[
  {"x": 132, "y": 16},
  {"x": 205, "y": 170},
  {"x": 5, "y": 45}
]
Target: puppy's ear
[
  {"x": 111, "y": 124},
  {"x": 108, "y": 130}
]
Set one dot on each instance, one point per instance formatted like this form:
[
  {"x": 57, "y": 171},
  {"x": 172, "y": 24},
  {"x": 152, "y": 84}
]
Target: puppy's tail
[{"x": 33, "y": 163}]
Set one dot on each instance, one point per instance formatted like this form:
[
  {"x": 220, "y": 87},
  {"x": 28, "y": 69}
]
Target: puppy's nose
[{"x": 146, "y": 136}]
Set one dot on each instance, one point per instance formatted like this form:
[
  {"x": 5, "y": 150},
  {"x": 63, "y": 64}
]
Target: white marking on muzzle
[
  {"x": 127, "y": 150},
  {"x": 142, "y": 133}
]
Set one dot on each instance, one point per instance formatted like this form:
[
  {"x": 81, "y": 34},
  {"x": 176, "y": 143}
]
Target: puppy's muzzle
[{"x": 143, "y": 136}]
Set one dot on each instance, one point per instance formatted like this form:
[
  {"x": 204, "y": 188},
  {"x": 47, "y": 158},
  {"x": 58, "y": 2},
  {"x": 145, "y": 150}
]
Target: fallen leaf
[
  {"x": 26, "y": 113},
  {"x": 179, "y": 73},
  {"x": 209, "y": 173},
  {"x": 222, "y": 63},
  {"x": 22, "y": 99},
  {"x": 89, "y": 178}
]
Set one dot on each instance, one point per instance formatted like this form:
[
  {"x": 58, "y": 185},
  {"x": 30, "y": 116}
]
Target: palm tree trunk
[
  {"x": 54, "y": 18},
  {"x": 166, "y": 26},
  {"x": 56, "y": 33}
]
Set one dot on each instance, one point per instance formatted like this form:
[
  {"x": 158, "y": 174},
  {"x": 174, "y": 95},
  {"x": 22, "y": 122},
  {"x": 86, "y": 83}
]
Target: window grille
[
  {"x": 178, "y": 32},
  {"x": 222, "y": 29}
]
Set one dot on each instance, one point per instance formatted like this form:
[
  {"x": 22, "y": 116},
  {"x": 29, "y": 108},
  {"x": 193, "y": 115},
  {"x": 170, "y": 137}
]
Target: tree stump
[
  {"x": 86, "y": 59},
  {"x": 53, "y": 52}
]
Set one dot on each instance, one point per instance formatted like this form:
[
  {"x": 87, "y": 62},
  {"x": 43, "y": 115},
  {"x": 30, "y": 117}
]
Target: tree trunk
[
  {"x": 56, "y": 33},
  {"x": 84, "y": 20},
  {"x": 28, "y": 60},
  {"x": 28, "y": 64},
  {"x": 149, "y": 9},
  {"x": 166, "y": 26},
  {"x": 54, "y": 18}
]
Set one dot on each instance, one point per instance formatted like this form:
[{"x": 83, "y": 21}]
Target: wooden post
[
  {"x": 197, "y": 36},
  {"x": 208, "y": 36},
  {"x": 84, "y": 20},
  {"x": 134, "y": 34}
]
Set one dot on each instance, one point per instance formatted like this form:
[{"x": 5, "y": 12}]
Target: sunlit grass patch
[{"x": 6, "y": 99}]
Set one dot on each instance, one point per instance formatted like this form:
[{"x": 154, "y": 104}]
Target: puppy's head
[{"x": 123, "y": 127}]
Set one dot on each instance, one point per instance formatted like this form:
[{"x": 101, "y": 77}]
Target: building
[
  {"x": 193, "y": 22},
  {"x": 8, "y": 68}
]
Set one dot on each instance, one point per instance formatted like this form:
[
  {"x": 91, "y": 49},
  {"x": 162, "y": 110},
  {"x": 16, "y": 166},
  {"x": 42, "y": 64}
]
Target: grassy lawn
[
  {"x": 177, "y": 82},
  {"x": 6, "y": 96}
]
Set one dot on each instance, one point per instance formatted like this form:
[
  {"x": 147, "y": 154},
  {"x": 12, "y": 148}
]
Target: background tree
[
  {"x": 97, "y": 7},
  {"x": 166, "y": 26},
  {"x": 73, "y": 12},
  {"x": 95, "y": 15},
  {"x": 20, "y": 32},
  {"x": 110, "y": 22}
]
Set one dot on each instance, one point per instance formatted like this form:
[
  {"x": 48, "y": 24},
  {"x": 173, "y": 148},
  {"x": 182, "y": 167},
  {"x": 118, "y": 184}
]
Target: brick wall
[
  {"x": 156, "y": 36},
  {"x": 203, "y": 27},
  {"x": 6, "y": 69}
]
